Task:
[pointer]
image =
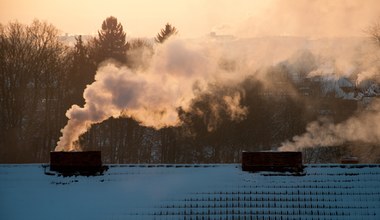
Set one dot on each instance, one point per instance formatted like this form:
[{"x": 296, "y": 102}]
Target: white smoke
[
  {"x": 180, "y": 70},
  {"x": 363, "y": 128},
  {"x": 360, "y": 61},
  {"x": 150, "y": 97}
]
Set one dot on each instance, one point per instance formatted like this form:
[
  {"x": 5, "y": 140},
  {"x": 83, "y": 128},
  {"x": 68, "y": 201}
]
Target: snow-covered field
[{"x": 191, "y": 192}]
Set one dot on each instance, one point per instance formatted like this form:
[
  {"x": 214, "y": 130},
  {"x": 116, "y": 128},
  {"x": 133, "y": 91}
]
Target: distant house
[
  {"x": 181, "y": 191},
  {"x": 222, "y": 37}
]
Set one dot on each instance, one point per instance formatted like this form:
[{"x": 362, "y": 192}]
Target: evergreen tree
[
  {"x": 82, "y": 71},
  {"x": 111, "y": 41},
  {"x": 165, "y": 33}
]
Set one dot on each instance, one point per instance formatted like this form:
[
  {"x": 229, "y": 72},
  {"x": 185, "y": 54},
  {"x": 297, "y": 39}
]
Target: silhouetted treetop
[
  {"x": 111, "y": 42},
  {"x": 165, "y": 33}
]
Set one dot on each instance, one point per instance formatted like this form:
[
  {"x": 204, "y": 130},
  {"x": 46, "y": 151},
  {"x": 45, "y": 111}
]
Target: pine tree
[
  {"x": 111, "y": 41},
  {"x": 82, "y": 70},
  {"x": 165, "y": 33}
]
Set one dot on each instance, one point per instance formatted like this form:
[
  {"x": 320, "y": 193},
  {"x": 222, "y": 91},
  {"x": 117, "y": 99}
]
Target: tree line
[{"x": 40, "y": 78}]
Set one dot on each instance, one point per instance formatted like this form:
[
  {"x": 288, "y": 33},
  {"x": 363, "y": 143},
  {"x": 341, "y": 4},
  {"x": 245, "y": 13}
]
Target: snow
[{"x": 191, "y": 191}]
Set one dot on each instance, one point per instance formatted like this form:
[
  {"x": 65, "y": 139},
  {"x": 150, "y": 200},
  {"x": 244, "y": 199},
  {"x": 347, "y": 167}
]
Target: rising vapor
[
  {"x": 179, "y": 71},
  {"x": 361, "y": 128},
  {"x": 151, "y": 97}
]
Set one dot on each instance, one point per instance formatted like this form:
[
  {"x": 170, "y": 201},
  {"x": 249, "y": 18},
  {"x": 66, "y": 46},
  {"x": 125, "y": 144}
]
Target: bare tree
[
  {"x": 374, "y": 32},
  {"x": 31, "y": 76}
]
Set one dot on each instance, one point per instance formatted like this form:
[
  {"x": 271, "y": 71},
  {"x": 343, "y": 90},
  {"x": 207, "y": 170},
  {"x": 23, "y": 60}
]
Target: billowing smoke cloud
[
  {"x": 178, "y": 71},
  {"x": 151, "y": 96},
  {"x": 361, "y": 128},
  {"x": 358, "y": 62}
]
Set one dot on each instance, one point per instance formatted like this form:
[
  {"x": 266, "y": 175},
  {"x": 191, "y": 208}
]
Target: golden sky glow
[{"x": 194, "y": 18}]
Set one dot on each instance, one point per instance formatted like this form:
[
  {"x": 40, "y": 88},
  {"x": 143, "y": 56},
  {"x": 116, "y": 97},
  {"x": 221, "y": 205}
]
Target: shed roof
[{"x": 191, "y": 192}]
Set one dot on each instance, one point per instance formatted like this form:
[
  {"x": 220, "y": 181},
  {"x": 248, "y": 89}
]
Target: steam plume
[
  {"x": 178, "y": 71},
  {"x": 150, "y": 97},
  {"x": 362, "y": 128}
]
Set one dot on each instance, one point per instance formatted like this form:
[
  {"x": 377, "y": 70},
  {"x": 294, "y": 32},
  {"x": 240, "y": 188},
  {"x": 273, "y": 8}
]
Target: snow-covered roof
[
  {"x": 345, "y": 82},
  {"x": 191, "y": 192}
]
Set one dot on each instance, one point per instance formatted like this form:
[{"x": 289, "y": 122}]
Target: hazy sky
[{"x": 194, "y": 18}]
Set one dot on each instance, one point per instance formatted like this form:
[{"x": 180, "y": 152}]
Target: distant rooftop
[{"x": 182, "y": 191}]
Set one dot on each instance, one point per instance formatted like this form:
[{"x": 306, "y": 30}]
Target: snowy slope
[{"x": 191, "y": 192}]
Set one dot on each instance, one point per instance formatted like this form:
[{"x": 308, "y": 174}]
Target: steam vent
[
  {"x": 86, "y": 162},
  {"x": 272, "y": 161}
]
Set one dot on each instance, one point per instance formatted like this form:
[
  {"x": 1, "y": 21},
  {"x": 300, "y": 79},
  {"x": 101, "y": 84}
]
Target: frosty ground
[{"x": 219, "y": 191}]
